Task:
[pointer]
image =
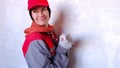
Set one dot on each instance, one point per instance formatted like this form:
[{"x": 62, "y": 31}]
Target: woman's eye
[
  {"x": 34, "y": 11},
  {"x": 45, "y": 9}
]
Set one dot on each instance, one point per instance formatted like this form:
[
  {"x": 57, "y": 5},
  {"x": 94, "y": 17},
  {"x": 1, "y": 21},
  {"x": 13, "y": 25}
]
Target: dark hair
[{"x": 48, "y": 8}]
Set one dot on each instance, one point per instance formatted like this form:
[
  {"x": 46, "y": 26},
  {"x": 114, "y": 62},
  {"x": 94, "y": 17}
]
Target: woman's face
[{"x": 40, "y": 15}]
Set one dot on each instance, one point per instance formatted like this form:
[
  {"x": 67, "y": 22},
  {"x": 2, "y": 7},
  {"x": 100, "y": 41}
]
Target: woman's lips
[{"x": 42, "y": 18}]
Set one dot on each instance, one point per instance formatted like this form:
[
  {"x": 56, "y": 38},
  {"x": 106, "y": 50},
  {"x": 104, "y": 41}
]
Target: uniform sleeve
[{"x": 38, "y": 56}]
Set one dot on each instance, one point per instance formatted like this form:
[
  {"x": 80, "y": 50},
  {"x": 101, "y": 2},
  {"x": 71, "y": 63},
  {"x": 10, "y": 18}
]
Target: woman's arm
[{"x": 38, "y": 56}]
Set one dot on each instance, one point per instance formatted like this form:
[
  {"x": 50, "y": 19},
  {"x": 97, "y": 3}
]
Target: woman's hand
[{"x": 65, "y": 41}]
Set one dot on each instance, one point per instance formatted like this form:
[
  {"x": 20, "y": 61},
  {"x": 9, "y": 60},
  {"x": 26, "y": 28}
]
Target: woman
[{"x": 41, "y": 48}]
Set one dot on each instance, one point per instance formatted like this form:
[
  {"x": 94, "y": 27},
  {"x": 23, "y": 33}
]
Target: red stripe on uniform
[{"x": 29, "y": 38}]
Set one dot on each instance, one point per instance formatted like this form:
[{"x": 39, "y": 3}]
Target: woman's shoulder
[
  {"x": 34, "y": 36},
  {"x": 29, "y": 38}
]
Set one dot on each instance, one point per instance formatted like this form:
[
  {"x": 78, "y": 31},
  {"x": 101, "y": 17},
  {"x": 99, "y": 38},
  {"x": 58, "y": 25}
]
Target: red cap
[{"x": 33, "y": 3}]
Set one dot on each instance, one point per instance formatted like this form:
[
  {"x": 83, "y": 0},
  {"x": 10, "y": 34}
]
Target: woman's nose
[{"x": 40, "y": 13}]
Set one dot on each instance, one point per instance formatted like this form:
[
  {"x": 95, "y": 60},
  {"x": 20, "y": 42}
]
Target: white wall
[{"x": 93, "y": 24}]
